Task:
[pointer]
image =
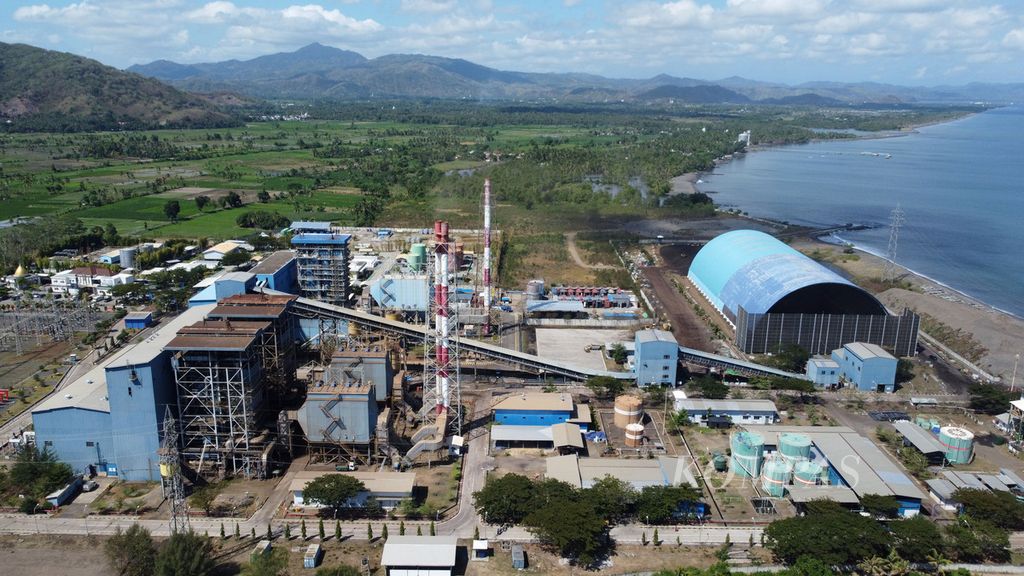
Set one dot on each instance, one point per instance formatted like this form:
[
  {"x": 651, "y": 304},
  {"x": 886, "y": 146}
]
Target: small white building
[
  {"x": 389, "y": 489},
  {"x": 88, "y": 278},
  {"x": 419, "y": 555},
  {"x": 710, "y": 412}
]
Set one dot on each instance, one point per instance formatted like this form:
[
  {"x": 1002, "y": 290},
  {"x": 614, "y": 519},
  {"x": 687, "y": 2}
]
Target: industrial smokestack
[{"x": 487, "y": 252}]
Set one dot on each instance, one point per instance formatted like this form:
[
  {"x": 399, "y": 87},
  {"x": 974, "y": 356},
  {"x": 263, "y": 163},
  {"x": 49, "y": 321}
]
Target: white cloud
[
  {"x": 429, "y": 6},
  {"x": 778, "y": 8},
  {"x": 679, "y": 14},
  {"x": 1014, "y": 39},
  {"x": 920, "y": 72}
]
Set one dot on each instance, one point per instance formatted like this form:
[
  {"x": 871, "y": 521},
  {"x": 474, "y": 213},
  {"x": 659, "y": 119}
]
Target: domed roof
[{"x": 20, "y": 271}]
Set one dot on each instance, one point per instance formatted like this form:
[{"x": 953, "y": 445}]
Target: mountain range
[
  {"x": 318, "y": 71},
  {"x": 47, "y": 90}
]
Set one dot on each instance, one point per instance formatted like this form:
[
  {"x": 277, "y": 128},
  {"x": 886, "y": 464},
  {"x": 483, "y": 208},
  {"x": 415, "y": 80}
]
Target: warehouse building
[
  {"x": 536, "y": 409},
  {"x": 638, "y": 473},
  {"x": 138, "y": 320},
  {"x": 565, "y": 437},
  {"x": 772, "y": 294},
  {"x": 389, "y": 489},
  {"x": 867, "y": 366},
  {"x": 419, "y": 555},
  {"x": 109, "y": 420},
  {"x": 217, "y": 288},
  {"x": 656, "y": 358},
  {"x": 716, "y": 412}
]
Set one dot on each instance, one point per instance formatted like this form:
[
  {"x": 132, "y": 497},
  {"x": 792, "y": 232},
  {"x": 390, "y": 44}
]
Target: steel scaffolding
[
  {"x": 442, "y": 396},
  {"x": 322, "y": 261}
]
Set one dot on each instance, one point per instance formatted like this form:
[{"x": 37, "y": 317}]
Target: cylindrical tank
[
  {"x": 775, "y": 475},
  {"x": 628, "y": 410},
  {"x": 806, "y": 473},
  {"x": 417, "y": 256},
  {"x": 794, "y": 447},
  {"x": 634, "y": 435},
  {"x": 534, "y": 289},
  {"x": 128, "y": 257},
  {"x": 747, "y": 454},
  {"x": 721, "y": 463},
  {"x": 959, "y": 444}
]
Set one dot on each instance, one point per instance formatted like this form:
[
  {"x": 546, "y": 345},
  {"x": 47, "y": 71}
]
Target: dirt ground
[
  {"x": 1001, "y": 334},
  {"x": 688, "y": 328},
  {"x": 34, "y": 556},
  {"x": 626, "y": 560},
  {"x": 569, "y": 344}
]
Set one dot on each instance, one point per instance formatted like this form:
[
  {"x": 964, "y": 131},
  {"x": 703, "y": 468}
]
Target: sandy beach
[{"x": 1001, "y": 334}]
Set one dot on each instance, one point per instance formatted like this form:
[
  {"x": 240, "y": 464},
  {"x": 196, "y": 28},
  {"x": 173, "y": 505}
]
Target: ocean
[{"x": 959, "y": 184}]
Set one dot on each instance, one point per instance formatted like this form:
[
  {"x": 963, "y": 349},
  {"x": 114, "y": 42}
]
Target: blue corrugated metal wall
[
  {"x": 656, "y": 363},
  {"x": 137, "y": 411},
  {"x": 531, "y": 417},
  {"x": 68, "y": 431},
  {"x": 284, "y": 280}
]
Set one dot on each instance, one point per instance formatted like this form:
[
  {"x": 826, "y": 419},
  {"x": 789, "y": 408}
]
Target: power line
[{"x": 896, "y": 220}]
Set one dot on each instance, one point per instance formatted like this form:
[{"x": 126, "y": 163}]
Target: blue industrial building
[
  {"x": 277, "y": 271},
  {"x": 822, "y": 371},
  {"x": 773, "y": 295},
  {"x": 539, "y": 409},
  {"x": 656, "y": 359},
  {"x": 867, "y": 366},
  {"x": 138, "y": 320},
  {"x": 223, "y": 286},
  {"x": 110, "y": 419}
]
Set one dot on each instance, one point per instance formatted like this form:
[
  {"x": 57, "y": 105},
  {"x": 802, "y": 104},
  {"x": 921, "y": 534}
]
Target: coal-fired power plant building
[{"x": 773, "y": 295}]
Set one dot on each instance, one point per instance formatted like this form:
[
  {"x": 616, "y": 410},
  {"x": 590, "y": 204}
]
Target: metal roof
[
  {"x": 273, "y": 262},
  {"x": 823, "y": 362},
  {"x": 253, "y": 311},
  {"x": 143, "y": 315},
  {"x": 314, "y": 238},
  {"x": 218, "y": 343},
  {"x": 866, "y": 350},
  {"x": 1013, "y": 478},
  {"x": 754, "y": 270},
  {"x": 311, "y": 225},
  {"x": 644, "y": 336},
  {"x": 432, "y": 551},
  {"x": 89, "y": 392},
  {"x": 942, "y": 488},
  {"x": 513, "y": 433},
  {"x": 922, "y": 440},
  {"x": 584, "y": 472},
  {"x": 964, "y": 480},
  {"x": 741, "y": 405},
  {"x": 804, "y": 494},
  {"x": 552, "y": 401},
  {"x": 566, "y": 434},
  {"x": 555, "y": 306},
  {"x": 993, "y": 482}
]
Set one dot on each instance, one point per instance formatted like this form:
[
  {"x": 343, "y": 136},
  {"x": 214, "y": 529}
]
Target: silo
[
  {"x": 128, "y": 257},
  {"x": 634, "y": 435},
  {"x": 747, "y": 454},
  {"x": 628, "y": 410},
  {"x": 775, "y": 476},
  {"x": 794, "y": 447},
  {"x": 959, "y": 444},
  {"x": 806, "y": 473},
  {"x": 534, "y": 289},
  {"x": 417, "y": 256}
]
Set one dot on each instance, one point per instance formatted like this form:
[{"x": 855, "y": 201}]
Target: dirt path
[{"x": 570, "y": 243}]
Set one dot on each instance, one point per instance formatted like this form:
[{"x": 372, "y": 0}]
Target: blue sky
[{"x": 910, "y": 42}]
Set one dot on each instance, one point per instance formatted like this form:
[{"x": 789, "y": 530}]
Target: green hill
[{"x": 55, "y": 91}]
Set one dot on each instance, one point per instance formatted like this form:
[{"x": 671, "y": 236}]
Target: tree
[
  {"x": 656, "y": 540},
  {"x": 233, "y": 200},
  {"x": 322, "y": 533},
  {"x": 880, "y": 506},
  {"x": 384, "y": 532},
  {"x": 433, "y": 529},
  {"x": 572, "y": 529},
  {"x": 611, "y": 498},
  {"x": 302, "y": 529},
  {"x": 916, "y": 539},
  {"x": 791, "y": 357},
  {"x": 605, "y": 386},
  {"x": 401, "y": 528},
  {"x": 287, "y": 531},
  {"x": 171, "y": 209},
  {"x": 185, "y": 554},
  {"x": 202, "y": 202},
  {"x": 836, "y": 538},
  {"x": 710, "y": 387},
  {"x": 223, "y": 534},
  {"x": 1002, "y": 509},
  {"x": 37, "y": 473},
  {"x": 337, "y": 531},
  {"x": 904, "y": 370},
  {"x": 131, "y": 553},
  {"x": 989, "y": 398},
  {"x": 238, "y": 532},
  {"x": 271, "y": 564},
  {"x": 369, "y": 532},
  {"x": 235, "y": 258},
  {"x": 263, "y": 196},
  {"x": 618, "y": 353},
  {"x": 419, "y": 530},
  {"x": 262, "y": 219},
  {"x": 660, "y": 504},
  {"x": 203, "y": 498},
  {"x": 506, "y": 500}
]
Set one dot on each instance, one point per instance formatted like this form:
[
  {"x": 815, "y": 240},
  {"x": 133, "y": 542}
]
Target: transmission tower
[
  {"x": 170, "y": 475},
  {"x": 895, "y": 221}
]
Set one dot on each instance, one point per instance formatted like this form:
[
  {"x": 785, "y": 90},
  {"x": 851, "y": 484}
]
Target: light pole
[
  {"x": 36, "y": 517},
  {"x": 1013, "y": 379}
]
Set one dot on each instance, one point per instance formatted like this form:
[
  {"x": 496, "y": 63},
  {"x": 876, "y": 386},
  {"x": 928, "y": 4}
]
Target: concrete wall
[
  {"x": 656, "y": 363},
  {"x": 531, "y": 417},
  {"x": 67, "y": 432},
  {"x": 137, "y": 409}
]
